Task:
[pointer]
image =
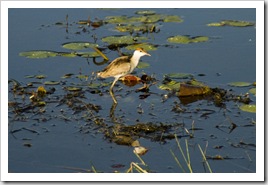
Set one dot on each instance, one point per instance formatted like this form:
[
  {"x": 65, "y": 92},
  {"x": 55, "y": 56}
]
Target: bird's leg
[{"x": 111, "y": 90}]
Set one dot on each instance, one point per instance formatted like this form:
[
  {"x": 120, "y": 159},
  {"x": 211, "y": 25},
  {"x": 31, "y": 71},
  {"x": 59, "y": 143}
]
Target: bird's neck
[{"x": 134, "y": 60}]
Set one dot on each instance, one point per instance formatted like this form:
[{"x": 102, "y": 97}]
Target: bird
[{"x": 122, "y": 66}]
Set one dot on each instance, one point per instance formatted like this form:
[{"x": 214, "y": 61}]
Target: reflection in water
[{"x": 112, "y": 109}]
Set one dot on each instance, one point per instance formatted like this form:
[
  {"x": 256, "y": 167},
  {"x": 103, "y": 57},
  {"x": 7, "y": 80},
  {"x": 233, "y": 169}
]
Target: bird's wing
[{"x": 119, "y": 66}]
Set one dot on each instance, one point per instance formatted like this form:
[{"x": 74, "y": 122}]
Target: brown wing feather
[{"x": 119, "y": 66}]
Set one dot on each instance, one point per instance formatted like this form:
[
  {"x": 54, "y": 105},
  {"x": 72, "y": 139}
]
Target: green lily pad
[
  {"x": 73, "y": 88},
  {"x": 122, "y": 39},
  {"x": 145, "y": 46},
  {"x": 136, "y": 19},
  {"x": 151, "y": 18},
  {"x": 143, "y": 65},
  {"x": 51, "y": 83},
  {"x": 145, "y": 17},
  {"x": 237, "y": 23},
  {"x": 38, "y": 54},
  {"x": 40, "y": 76},
  {"x": 131, "y": 28},
  {"x": 179, "y": 75},
  {"x": 116, "y": 19},
  {"x": 179, "y": 39},
  {"x": 187, "y": 39},
  {"x": 172, "y": 18},
  {"x": 145, "y": 12},
  {"x": 92, "y": 54},
  {"x": 29, "y": 76},
  {"x": 240, "y": 84},
  {"x": 94, "y": 85},
  {"x": 252, "y": 91},
  {"x": 216, "y": 24},
  {"x": 84, "y": 22},
  {"x": 199, "y": 39},
  {"x": 67, "y": 75},
  {"x": 248, "y": 108},
  {"x": 79, "y": 45},
  {"x": 82, "y": 77},
  {"x": 172, "y": 85},
  {"x": 65, "y": 54},
  {"x": 231, "y": 23}
]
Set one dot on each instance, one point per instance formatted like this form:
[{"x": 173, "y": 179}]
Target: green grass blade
[
  {"x": 177, "y": 161},
  {"x": 205, "y": 159}
]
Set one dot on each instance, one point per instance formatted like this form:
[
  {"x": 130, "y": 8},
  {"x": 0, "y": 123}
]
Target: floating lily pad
[
  {"x": 199, "y": 39},
  {"x": 122, "y": 39},
  {"x": 51, "y": 83},
  {"x": 248, "y": 108},
  {"x": 145, "y": 17},
  {"x": 172, "y": 85},
  {"x": 65, "y": 54},
  {"x": 231, "y": 23},
  {"x": 29, "y": 76},
  {"x": 187, "y": 39},
  {"x": 143, "y": 65},
  {"x": 79, "y": 45},
  {"x": 67, "y": 75},
  {"x": 83, "y": 22},
  {"x": 136, "y": 19},
  {"x": 237, "y": 23},
  {"x": 216, "y": 24},
  {"x": 40, "y": 76},
  {"x": 88, "y": 54},
  {"x": 145, "y": 12},
  {"x": 73, "y": 88},
  {"x": 145, "y": 46},
  {"x": 240, "y": 84},
  {"x": 116, "y": 19},
  {"x": 132, "y": 28},
  {"x": 82, "y": 77},
  {"x": 38, "y": 54},
  {"x": 252, "y": 91},
  {"x": 151, "y": 18},
  {"x": 172, "y": 18},
  {"x": 179, "y": 75},
  {"x": 94, "y": 85}
]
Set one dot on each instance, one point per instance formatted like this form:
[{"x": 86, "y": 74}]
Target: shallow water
[{"x": 58, "y": 145}]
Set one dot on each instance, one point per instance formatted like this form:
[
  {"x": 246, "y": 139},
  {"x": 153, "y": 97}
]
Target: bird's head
[{"x": 140, "y": 52}]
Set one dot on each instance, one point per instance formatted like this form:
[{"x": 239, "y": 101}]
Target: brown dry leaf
[
  {"x": 140, "y": 150},
  {"x": 130, "y": 80},
  {"x": 135, "y": 143}
]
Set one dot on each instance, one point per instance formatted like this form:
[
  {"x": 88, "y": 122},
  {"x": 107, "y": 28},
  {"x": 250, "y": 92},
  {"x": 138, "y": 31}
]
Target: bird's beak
[{"x": 148, "y": 54}]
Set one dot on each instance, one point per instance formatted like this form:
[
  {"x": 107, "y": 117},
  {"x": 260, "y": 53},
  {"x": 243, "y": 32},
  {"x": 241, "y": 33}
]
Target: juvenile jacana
[{"x": 122, "y": 66}]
